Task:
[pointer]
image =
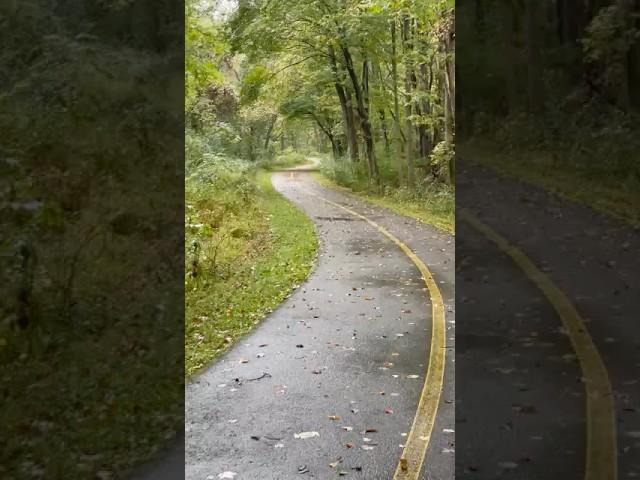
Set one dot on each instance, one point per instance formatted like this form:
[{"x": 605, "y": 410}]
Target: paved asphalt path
[
  {"x": 520, "y": 395},
  {"x": 336, "y": 358}
]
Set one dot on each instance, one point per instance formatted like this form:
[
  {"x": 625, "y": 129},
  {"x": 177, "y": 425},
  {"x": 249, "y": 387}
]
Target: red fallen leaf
[
  {"x": 349, "y": 445},
  {"x": 388, "y": 410}
]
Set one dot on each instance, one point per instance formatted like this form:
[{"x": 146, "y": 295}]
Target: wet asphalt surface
[
  {"x": 336, "y": 358},
  {"x": 520, "y": 397}
]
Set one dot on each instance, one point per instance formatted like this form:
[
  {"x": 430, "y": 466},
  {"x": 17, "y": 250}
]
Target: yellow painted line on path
[
  {"x": 601, "y": 449},
  {"x": 418, "y": 439}
]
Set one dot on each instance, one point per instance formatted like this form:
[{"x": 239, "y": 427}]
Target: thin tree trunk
[
  {"x": 269, "y": 131},
  {"x": 365, "y": 123},
  {"x": 396, "y": 103},
  {"x": 534, "y": 60},
  {"x": 510, "y": 27},
  {"x": 406, "y": 34}
]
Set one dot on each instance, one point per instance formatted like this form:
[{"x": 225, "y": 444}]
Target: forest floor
[
  {"x": 330, "y": 381},
  {"x": 525, "y": 364}
]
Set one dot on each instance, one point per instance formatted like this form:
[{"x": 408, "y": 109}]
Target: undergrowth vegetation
[
  {"x": 90, "y": 317},
  {"x": 429, "y": 201},
  {"x": 246, "y": 248}
]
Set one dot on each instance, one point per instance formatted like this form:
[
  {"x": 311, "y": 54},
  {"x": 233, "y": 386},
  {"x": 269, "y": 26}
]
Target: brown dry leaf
[{"x": 334, "y": 417}]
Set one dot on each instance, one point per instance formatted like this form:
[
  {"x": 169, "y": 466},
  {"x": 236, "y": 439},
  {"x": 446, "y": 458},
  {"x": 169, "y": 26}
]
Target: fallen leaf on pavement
[
  {"x": 524, "y": 409},
  {"x": 334, "y": 417}
]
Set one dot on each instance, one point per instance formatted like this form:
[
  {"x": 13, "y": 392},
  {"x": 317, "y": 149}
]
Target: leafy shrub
[
  {"x": 287, "y": 158},
  {"x": 442, "y": 159}
]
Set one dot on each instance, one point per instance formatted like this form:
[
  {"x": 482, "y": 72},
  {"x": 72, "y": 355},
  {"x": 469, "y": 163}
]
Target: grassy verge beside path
[
  {"x": 605, "y": 195},
  {"x": 270, "y": 250},
  {"x": 436, "y": 209}
]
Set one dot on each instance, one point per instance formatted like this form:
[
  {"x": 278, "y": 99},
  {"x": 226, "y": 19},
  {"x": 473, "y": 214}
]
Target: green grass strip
[
  {"x": 437, "y": 212},
  {"x": 219, "y": 315}
]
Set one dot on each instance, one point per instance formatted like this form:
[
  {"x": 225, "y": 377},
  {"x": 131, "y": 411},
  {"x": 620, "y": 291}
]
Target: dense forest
[
  {"x": 372, "y": 83},
  {"x": 558, "y": 78},
  {"x": 366, "y": 87},
  {"x": 91, "y": 206}
]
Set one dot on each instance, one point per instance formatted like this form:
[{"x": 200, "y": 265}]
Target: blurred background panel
[
  {"x": 547, "y": 209},
  {"x": 91, "y": 249}
]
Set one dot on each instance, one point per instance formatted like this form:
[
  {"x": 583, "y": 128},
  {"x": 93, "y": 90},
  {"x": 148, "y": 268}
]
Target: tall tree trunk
[
  {"x": 426, "y": 78},
  {"x": 409, "y": 147},
  {"x": 535, "y": 93},
  {"x": 269, "y": 131},
  {"x": 510, "y": 28},
  {"x": 382, "y": 114},
  {"x": 396, "y": 102},
  {"x": 348, "y": 118},
  {"x": 363, "y": 114},
  {"x": 622, "y": 91},
  {"x": 384, "y": 129}
]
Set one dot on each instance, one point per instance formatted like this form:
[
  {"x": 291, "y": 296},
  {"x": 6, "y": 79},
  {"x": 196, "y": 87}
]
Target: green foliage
[
  {"x": 607, "y": 42},
  {"x": 285, "y": 159},
  {"x": 442, "y": 158},
  {"x": 248, "y": 247},
  {"x": 100, "y": 273},
  {"x": 252, "y": 84},
  {"x": 430, "y": 202}
]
